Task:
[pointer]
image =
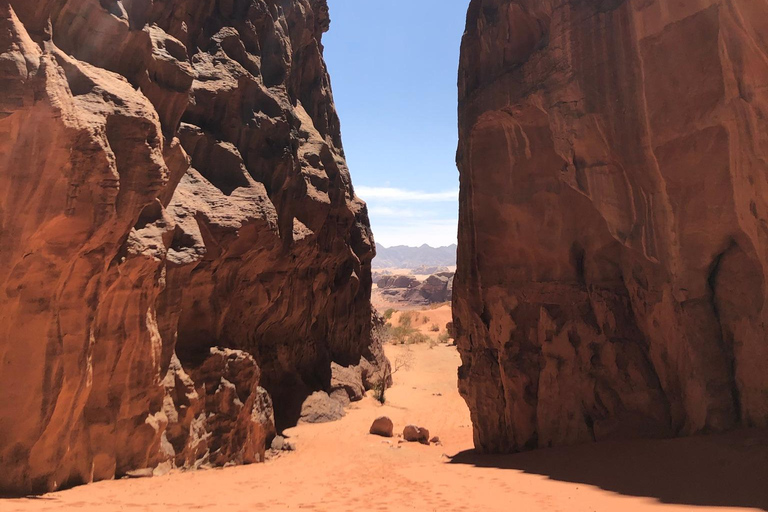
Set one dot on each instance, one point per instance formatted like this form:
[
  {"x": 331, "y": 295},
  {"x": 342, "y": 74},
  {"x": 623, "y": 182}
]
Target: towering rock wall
[
  {"x": 179, "y": 236},
  {"x": 613, "y": 244}
]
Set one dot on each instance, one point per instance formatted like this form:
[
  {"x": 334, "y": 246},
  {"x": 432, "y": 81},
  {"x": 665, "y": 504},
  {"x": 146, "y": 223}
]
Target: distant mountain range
[{"x": 402, "y": 256}]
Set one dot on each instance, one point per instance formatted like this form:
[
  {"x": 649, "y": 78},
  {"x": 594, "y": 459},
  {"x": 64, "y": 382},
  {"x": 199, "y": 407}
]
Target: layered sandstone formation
[
  {"x": 613, "y": 237},
  {"x": 181, "y": 245}
]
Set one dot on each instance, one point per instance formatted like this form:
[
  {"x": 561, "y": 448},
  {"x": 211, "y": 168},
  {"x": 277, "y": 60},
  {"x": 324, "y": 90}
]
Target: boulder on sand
[
  {"x": 413, "y": 434},
  {"x": 319, "y": 407},
  {"x": 347, "y": 379},
  {"x": 382, "y": 426}
]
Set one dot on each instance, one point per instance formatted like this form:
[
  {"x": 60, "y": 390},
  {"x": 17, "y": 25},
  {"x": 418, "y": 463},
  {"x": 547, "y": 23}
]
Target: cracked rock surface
[
  {"x": 613, "y": 243},
  {"x": 182, "y": 256}
]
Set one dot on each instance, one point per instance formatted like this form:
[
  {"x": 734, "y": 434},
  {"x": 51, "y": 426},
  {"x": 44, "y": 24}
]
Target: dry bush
[
  {"x": 434, "y": 328},
  {"x": 416, "y": 337},
  {"x": 402, "y": 362},
  {"x": 399, "y": 334},
  {"x": 406, "y": 319}
]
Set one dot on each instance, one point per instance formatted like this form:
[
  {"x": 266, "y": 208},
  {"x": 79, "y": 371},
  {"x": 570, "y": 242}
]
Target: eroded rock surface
[
  {"x": 400, "y": 289},
  {"x": 612, "y": 239},
  {"x": 181, "y": 245}
]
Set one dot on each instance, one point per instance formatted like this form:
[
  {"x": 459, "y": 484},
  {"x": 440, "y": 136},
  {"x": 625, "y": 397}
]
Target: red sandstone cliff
[
  {"x": 613, "y": 243},
  {"x": 180, "y": 242}
]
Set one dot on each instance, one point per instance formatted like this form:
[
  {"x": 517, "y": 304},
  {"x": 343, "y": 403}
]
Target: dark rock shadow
[{"x": 729, "y": 470}]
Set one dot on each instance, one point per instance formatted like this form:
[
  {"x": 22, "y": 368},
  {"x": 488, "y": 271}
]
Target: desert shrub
[
  {"x": 425, "y": 320},
  {"x": 406, "y": 319},
  {"x": 416, "y": 337},
  {"x": 444, "y": 337},
  {"x": 388, "y": 314},
  {"x": 380, "y": 391},
  {"x": 399, "y": 334},
  {"x": 401, "y": 362},
  {"x": 434, "y": 328}
]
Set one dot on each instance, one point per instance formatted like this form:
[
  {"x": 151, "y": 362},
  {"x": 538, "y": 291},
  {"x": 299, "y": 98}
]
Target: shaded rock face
[
  {"x": 612, "y": 238},
  {"x": 181, "y": 243},
  {"x": 438, "y": 287}
]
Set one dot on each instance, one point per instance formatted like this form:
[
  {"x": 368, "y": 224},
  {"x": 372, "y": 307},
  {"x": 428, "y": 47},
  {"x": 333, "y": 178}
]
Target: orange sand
[
  {"x": 439, "y": 316},
  {"x": 340, "y": 467}
]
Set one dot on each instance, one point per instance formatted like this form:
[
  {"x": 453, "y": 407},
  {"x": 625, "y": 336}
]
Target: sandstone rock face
[
  {"x": 613, "y": 240},
  {"x": 182, "y": 246}
]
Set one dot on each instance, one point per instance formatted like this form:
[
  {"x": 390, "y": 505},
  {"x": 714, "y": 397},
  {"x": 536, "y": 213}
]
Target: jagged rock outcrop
[
  {"x": 398, "y": 281},
  {"x": 437, "y": 287},
  {"x": 612, "y": 239},
  {"x": 409, "y": 290},
  {"x": 181, "y": 243}
]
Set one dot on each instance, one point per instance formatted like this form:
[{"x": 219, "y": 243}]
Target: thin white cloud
[
  {"x": 399, "y": 194},
  {"x": 387, "y": 211},
  {"x": 414, "y": 232}
]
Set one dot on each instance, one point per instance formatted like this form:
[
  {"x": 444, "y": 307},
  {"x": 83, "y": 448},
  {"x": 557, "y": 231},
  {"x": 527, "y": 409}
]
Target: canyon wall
[
  {"x": 180, "y": 242},
  {"x": 613, "y": 245}
]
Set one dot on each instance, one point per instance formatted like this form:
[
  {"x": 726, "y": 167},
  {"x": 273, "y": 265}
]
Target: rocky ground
[{"x": 340, "y": 467}]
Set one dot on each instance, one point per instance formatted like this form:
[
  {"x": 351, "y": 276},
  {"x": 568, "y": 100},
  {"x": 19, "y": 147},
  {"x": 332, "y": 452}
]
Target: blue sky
[{"x": 393, "y": 66}]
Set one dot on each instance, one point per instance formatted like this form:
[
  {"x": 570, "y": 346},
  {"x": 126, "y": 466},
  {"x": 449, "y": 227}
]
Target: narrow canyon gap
[
  {"x": 183, "y": 258},
  {"x": 612, "y": 234},
  {"x": 181, "y": 244}
]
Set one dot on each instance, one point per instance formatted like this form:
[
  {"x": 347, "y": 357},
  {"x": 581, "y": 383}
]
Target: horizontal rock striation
[
  {"x": 181, "y": 244},
  {"x": 613, "y": 240}
]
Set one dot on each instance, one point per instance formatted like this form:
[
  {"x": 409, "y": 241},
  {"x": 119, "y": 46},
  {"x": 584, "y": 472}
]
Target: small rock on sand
[
  {"x": 382, "y": 426},
  {"x": 413, "y": 434}
]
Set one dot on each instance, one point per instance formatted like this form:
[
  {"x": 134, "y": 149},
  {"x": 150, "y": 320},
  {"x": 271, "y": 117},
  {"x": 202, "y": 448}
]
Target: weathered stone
[
  {"x": 612, "y": 244},
  {"x": 348, "y": 380},
  {"x": 399, "y": 281},
  {"x": 172, "y": 181},
  {"x": 437, "y": 288},
  {"x": 414, "y": 434},
  {"x": 382, "y": 426},
  {"x": 319, "y": 407}
]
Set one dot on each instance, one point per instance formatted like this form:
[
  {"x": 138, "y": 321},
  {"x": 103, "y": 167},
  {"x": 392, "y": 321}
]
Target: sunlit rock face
[
  {"x": 181, "y": 246},
  {"x": 612, "y": 237}
]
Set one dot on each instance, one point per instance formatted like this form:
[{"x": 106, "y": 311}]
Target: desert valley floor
[{"x": 339, "y": 467}]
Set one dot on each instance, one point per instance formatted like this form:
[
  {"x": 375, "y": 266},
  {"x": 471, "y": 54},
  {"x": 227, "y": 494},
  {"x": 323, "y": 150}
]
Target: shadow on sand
[{"x": 717, "y": 471}]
